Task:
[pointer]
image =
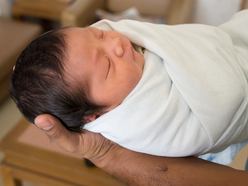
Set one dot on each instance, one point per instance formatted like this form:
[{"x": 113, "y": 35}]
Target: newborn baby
[{"x": 185, "y": 95}]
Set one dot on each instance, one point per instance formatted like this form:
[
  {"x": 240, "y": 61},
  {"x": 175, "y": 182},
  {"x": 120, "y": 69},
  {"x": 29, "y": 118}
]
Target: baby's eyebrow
[
  {"x": 94, "y": 55},
  {"x": 93, "y": 31}
]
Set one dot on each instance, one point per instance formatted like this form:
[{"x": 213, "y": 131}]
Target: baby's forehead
[
  {"x": 77, "y": 43},
  {"x": 78, "y": 30},
  {"x": 73, "y": 36}
]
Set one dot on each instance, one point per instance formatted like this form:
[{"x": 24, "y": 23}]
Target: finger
[{"x": 53, "y": 128}]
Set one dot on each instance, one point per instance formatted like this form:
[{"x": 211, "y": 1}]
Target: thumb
[
  {"x": 54, "y": 129},
  {"x": 87, "y": 144},
  {"x": 50, "y": 125},
  {"x": 43, "y": 122}
]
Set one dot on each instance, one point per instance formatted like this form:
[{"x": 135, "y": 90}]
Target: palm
[{"x": 86, "y": 144}]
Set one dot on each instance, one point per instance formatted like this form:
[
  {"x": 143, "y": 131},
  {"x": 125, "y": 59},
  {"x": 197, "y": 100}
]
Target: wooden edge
[
  {"x": 12, "y": 176},
  {"x": 180, "y": 12},
  {"x": 244, "y": 5},
  {"x": 7, "y": 176},
  {"x": 47, "y": 1}
]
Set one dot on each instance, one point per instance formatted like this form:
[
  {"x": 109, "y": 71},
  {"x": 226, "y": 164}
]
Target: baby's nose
[{"x": 118, "y": 47}]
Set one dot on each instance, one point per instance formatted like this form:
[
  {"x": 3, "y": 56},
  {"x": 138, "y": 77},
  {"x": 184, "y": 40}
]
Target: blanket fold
[{"x": 192, "y": 97}]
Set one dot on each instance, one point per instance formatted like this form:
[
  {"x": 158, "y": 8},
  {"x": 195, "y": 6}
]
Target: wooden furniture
[
  {"x": 14, "y": 37},
  {"x": 82, "y": 13},
  {"x": 47, "y": 9},
  {"x": 30, "y": 156}
]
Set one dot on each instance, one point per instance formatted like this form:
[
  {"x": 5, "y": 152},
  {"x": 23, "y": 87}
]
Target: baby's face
[{"x": 105, "y": 61}]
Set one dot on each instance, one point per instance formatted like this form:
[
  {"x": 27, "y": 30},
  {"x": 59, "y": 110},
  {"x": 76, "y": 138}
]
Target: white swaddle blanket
[{"x": 192, "y": 98}]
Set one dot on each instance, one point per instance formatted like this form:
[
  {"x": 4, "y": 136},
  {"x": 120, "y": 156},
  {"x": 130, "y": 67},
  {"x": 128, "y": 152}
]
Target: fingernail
[{"x": 45, "y": 124}]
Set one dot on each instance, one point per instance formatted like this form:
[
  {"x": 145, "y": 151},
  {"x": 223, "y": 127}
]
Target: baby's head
[{"x": 75, "y": 74}]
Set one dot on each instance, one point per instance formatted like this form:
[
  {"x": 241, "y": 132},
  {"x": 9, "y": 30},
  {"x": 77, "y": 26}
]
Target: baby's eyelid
[{"x": 108, "y": 66}]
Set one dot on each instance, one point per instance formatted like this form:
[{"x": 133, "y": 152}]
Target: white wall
[
  {"x": 214, "y": 12},
  {"x": 5, "y": 8}
]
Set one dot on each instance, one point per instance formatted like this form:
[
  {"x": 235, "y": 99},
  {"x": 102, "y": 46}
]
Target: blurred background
[{"x": 23, "y": 20}]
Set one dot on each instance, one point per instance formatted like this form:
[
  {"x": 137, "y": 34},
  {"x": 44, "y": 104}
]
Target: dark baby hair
[{"x": 38, "y": 84}]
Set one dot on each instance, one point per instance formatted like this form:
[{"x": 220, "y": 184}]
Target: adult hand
[
  {"x": 137, "y": 168},
  {"x": 87, "y": 144}
]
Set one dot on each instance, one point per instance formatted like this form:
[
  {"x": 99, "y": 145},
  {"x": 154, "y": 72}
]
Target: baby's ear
[
  {"x": 93, "y": 117},
  {"x": 90, "y": 118}
]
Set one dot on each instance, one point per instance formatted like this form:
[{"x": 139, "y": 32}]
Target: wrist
[{"x": 107, "y": 155}]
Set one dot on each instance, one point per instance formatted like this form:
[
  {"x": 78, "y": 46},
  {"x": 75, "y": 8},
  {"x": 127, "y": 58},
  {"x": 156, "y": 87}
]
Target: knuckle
[{"x": 54, "y": 135}]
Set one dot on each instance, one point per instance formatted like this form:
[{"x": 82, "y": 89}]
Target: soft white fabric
[
  {"x": 226, "y": 156},
  {"x": 192, "y": 97}
]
